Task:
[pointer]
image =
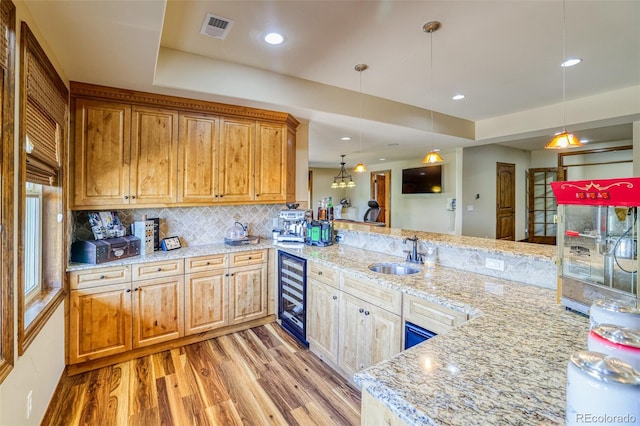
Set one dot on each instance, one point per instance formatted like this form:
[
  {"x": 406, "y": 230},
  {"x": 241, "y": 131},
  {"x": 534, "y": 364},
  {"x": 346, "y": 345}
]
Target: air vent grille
[{"x": 216, "y": 26}]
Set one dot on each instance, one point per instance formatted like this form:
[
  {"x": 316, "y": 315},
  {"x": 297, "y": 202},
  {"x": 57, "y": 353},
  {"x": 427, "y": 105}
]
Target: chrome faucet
[{"x": 413, "y": 255}]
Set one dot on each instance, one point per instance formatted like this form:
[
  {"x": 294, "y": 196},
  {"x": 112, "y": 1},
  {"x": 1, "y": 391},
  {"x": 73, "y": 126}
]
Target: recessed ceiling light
[
  {"x": 393, "y": 144},
  {"x": 571, "y": 62},
  {"x": 274, "y": 38},
  {"x": 381, "y": 159},
  {"x": 458, "y": 97},
  {"x": 584, "y": 140},
  {"x": 345, "y": 138}
]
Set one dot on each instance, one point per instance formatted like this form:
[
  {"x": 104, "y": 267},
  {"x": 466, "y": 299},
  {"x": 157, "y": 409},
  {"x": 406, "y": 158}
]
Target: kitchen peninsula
[{"x": 505, "y": 365}]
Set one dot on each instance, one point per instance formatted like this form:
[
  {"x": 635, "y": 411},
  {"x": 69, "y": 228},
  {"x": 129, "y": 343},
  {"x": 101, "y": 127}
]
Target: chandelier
[{"x": 343, "y": 179}]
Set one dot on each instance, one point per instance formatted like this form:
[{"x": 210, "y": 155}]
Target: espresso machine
[
  {"x": 293, "y": 223},
  {"x": 597, "y": 241}
]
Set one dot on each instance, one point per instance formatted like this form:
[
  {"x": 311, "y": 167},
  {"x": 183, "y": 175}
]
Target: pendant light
[
  {"x": 564, "y": 139},
  {"x": 432, "y": 156},
  {"x": 343, "y": 179},
  {"x": 360, "y": 167}
]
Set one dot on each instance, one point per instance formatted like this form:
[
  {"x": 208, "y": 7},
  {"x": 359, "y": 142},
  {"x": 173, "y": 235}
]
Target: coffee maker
[{"x": 293, "y": 223}]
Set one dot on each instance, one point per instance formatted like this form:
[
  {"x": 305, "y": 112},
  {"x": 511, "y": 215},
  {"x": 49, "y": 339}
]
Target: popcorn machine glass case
[{"x": 597, "y": 241}]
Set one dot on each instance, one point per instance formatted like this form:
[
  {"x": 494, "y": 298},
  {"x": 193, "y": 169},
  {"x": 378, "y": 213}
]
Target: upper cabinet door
[
  {"x": 197, "y": 157},
  {"x": 271, "y": 162},
  {"x": 100, "y": 170},
  {"x": 154, "y": 156},
  {"x": 236, "y": 160}
]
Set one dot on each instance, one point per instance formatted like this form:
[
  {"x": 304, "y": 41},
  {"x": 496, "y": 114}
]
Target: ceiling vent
[{"x": 216, "y": 26}]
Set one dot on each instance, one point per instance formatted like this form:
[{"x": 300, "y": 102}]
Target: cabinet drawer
[
  {"x": 205, "y": 263},
  {"x": 98, "y": 277},
  {"x": 164, "y": 268},
  {"x": 243, "y": 258},
  {"x": 431, "y": 316},
  {"x": 322, "y": 273},
  {"x": 372, "y": 292}
]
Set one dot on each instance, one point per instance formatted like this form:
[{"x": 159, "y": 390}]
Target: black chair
[{"x": 372, "y": 213}]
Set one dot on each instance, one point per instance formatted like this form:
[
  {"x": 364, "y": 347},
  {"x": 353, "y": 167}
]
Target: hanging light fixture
[
  {"x": 360, "y": 167},
  {"x": 564, "y": 139},
  {"x": 343, "y": 179},
  {"x": 431, "y": 26}
]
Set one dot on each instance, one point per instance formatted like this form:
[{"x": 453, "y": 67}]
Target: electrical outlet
[
  {"x": 29, "y": 404},
  {"x": 495, "y": 264},
  {"x": 274, "y": 223}
]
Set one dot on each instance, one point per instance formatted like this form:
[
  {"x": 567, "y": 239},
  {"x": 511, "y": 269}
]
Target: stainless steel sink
[{"x": 394, "y": 268}]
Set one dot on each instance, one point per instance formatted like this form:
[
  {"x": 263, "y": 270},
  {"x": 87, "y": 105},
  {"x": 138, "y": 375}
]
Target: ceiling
[{"x": 503, "y": 55}]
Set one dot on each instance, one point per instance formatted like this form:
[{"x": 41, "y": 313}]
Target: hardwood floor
[{"x": 255, "y": 377}]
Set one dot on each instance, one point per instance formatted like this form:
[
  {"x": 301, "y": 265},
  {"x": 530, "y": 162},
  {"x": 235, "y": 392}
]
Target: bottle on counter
[
  {"x": 322, "y": 209},
  {"x": 330, "y": 209}
]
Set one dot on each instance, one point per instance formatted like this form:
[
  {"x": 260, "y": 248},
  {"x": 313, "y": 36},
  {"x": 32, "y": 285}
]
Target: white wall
[
  {"x": 40, "y": 367},
  {"x": 478, "y": 203}
]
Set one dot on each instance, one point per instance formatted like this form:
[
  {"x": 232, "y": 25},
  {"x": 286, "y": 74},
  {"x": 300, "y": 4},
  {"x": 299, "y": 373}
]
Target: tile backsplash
[{"x": 194, "y": 225}]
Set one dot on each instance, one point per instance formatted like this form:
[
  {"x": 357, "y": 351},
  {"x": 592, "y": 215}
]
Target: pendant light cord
[
  {"x": 431, "y": 81},
  {"x": 564, "y": 68},
  {"x": 360, "y": 74}
]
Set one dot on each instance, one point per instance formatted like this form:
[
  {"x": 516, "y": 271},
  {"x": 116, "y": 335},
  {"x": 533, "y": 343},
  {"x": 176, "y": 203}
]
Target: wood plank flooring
[{"x": 260, "y": 376}]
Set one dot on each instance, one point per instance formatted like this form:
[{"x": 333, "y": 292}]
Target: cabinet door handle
[
  {"x": 128, "y": 290},
  {"x": 361, "y": 310},
  {"x": 335, "y": 297},
  {"x": 102, "y": 277},
  {"x": 208, "y": 263},
  {"x": 319, "y": 272},
  {"x": 136, "y": 289},
  {"x": 366, "y": 312},
  {"x": 257, "y": 195},
  {"x": 249, "y": 257},
  {"x": 133, "y": 196},
  {"x": 159, "y": 269},
  {"x": 221, "y": 195},
  {"x": 126, "y": 197}
]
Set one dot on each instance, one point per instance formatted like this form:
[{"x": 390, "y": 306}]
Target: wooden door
[
  {"x": 383, "y": 336},
  {"x": 323, "y": 314},
  {"x": 381, "y": 192},
  {"x": 351, "y": 325},
  {"x": 100, "y": 169},
  {"x": 271, "y": 162},
  {"x": 236, "y": 161},
  {"x": 158, "y": 310},
  {"x": 505, "y": 201},
  {"x": 99, "y": 322},
  {"x": 154, "y": 156},
  {"x": 206, "y": 301},
  {"x": 197, "y": 157},
  {"x": 542, "y": 206},
  {"x": 248, "y": 293}
]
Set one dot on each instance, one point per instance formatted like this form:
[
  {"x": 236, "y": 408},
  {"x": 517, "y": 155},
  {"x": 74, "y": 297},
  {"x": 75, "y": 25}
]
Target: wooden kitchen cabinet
[
  {"x": 368, "y": 334},
  {"x": 247, "y": 293},
  {"x": 158, "y": 310},
  {"x": 429, "y": 315},
  {"x": 100, "y": 152},
  {"x": 99, "y": 322},
  {"x": 198, "y": 158},
  {"x": 206, "y": 294},
  {"x": 123, "y": 156},
  {"x": 271, "y": 162},
  {"x": 323, "y": 311},
  {"x": 323, "y": 315},
  {"x": 236, "y": 156}
]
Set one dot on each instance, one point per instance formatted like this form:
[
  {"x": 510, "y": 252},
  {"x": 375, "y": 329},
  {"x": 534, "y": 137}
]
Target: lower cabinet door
[
  {"x": 383, "y": 335},
  {"x": 158, "y": 310},
  {"x": 323, "y": 313},
  {"x": 351, "y": 329},
  {"x": 248, "y": 293},
  {"x": 99, "y": 322},
  {"x": 206, "y": 301}
]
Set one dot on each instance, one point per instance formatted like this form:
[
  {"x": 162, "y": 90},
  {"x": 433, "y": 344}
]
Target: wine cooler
[{"x": 292, "y": 284}]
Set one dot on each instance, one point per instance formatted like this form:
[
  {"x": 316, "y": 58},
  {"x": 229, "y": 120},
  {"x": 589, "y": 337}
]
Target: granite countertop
[{"x": 506, "y": 365}]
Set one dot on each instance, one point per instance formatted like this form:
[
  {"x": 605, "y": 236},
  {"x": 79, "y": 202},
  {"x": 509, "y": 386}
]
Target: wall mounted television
[{"x": 422, "y": 180}]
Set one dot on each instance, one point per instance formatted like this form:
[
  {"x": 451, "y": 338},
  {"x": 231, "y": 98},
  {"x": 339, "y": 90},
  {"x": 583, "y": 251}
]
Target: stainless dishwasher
[{"x": 292, "y": 289}]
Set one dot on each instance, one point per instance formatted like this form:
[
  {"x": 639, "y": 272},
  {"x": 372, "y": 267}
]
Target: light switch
[{"x": 470, "y": 208}]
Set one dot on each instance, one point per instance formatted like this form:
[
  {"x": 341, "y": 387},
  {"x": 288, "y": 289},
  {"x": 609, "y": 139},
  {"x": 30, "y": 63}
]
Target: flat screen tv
[{"x": 422, "y": 180}]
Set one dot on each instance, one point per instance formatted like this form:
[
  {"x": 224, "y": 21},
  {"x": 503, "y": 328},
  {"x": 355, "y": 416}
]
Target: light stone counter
[{"x": 506, "y": 365}]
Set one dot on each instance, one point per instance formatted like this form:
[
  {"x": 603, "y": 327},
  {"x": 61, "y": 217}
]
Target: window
[
  {"x": 33, "y": 242},
  {"x": 44, "y": 112}
]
